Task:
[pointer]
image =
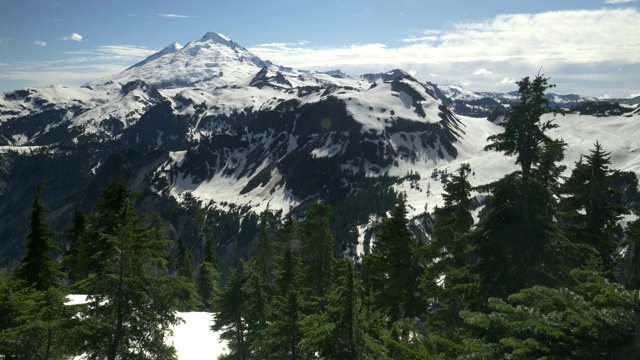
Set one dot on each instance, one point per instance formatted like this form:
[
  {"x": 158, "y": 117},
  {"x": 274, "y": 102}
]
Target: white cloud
[
  {"x": 41, "y": 43},
  {"x": 421, "y": 39},
  {"x": 507, "y": 81},
  {"x": 618, "y": 1},
  {"x": 592, "y": 43},
  {"x": 174, "y": 16},
  {"x": 81, "y": 67},
  {"x": 482, "y": 72},
  {"x": 633, "y": 96},
  {"x": 73, "y": 37}
]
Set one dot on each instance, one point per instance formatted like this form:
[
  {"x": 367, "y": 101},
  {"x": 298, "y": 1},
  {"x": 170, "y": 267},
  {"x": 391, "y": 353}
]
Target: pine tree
[
  {"x": 76, "y": 260},
  {"x": 317, "y": 251},
  {"x": 132, "y": 298},
  {"x": 230, "y": 305},
  {"x": 264, "y": 248},
  {"x": 448, "y": 259},
  {"x": 37, "y": 268},
  {"x": 518, "y": 241},
  {"x": 392, "y": 271},
  {"x": 208, "y": 279},
  {"x": 283, "y": 335},
  {"x": 590, "y": 205},
  {"x": 453, "y": 220},
  {"x": 184, "y": 261},
  {"x": 524, "y": 133},
  {"x": 345, "y": 339}
]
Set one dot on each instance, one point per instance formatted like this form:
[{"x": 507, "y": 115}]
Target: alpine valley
[{"x": 209, "y": 128}]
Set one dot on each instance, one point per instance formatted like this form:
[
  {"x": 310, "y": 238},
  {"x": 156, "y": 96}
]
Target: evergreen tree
[
  {"x": 264, "y": 248},
  {"x": 453, "y": 221},
  {"x": 76, "y": 260},
  {"x": 392, "y": 271},
  {"x": 524, "y": 134},
  {"x": 283, "y": 334},
  {"x": 35, "y": 324},
  {"x": 590, "y": 206},
  {"x": 338, "y": 332},
  {"x": 231, "y": 305},
  {"x": 589, "y": 320},
  {"x": 630, "y": 275},
  {"x": 448, "y": 259},
  {"x": 37, "y": 268},
  {"x": 517, "y": 248},
  {"x": 184, "y": 261},
  {"x": 518, "y": 241},
  {"x": 132, "y": 299},
  {"x": 317, "y": 253},
  {"x": 208, "y": 279},
  {"x": 257, "y": 308}
]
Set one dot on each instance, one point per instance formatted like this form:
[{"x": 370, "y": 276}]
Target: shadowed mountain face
[{"x": 211, "y": 125}]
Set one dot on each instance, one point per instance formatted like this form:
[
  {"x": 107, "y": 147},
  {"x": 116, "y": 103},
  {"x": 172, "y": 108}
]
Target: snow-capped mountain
[{"x": 211, "y": 122}]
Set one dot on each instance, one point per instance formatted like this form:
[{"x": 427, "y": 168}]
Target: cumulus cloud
[
  {"x": 507, "y": 80},
  {"x": 618, "y": 1},
  {"x": 588, "y": 43},
  {"x": 482, "y": 72},
  {"x": 41, "y": 43},
  {"x": 73, "y": 37}
]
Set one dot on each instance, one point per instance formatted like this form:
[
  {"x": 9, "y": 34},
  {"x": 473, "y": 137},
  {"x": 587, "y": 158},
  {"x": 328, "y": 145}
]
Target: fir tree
[
  {"x": 448, "y": 258},
  {"x": 76, "y": 260},
  {"x": 591, "y": 319},
  {"x": 392, "y": 271},
  {"x": 132, "y": 299},
  {"x": 35, "y": 324},
  {"x": 524, "y": 133},
  {"x": 590, "y": 206},
  {"x": 184, "y": 261},
  {"x": 208, "y": 277},
  {"x": 317, "y": 251},
  {"x": 37, "y": 268},
  {"x": 231, "y": 305}
]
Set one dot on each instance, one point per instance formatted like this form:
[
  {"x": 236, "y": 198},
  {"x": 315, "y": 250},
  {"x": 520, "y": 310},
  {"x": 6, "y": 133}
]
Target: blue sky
[{"x": 590, "y": 47}]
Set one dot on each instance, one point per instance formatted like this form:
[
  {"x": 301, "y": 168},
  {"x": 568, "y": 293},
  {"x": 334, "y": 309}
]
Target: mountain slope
[{"x": 211, "y": 125}]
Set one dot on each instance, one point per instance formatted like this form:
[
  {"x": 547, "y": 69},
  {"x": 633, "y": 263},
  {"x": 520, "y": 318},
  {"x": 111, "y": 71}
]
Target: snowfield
[{"x": 192, "y": 339}]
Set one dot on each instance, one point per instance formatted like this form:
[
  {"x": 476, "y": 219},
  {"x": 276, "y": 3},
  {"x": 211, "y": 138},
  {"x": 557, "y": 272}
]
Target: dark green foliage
[
  {"x": 184, "y": 261},
  {"x": 446, "y": 276},
  {"x": 132, "y": 298},
  {"x": 230, "y": 305},
  {"x": 590, "y": 320},
  {"x": 37, "y": 268},
  {"x": 346, "y": 330},
  {"x": 516, "y": 251},
  {"x": 281, "y": 339},
  {"x": 208, "y": 277},
  {"x": 590, "y": 206},
  {"x": 76, "y": 260},
  {"x": 35, "y": 324},
  {"x": 523, "y": 133},
  {"x": 317, "y": 251},
  {"x": 391, "y": 272}
]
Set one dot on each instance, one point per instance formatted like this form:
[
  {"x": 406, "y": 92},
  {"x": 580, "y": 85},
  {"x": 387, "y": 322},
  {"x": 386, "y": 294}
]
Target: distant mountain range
[{"x": 211, "y": 123}]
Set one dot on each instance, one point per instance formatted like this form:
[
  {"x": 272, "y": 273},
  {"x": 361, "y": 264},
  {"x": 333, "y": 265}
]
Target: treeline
[{"x": 540, "y": 276}]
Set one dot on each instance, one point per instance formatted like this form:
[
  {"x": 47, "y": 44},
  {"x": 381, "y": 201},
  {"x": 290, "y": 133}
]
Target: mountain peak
[
  {"x": 218, "y": 38},
  {"x": 172, "y": 48}
]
